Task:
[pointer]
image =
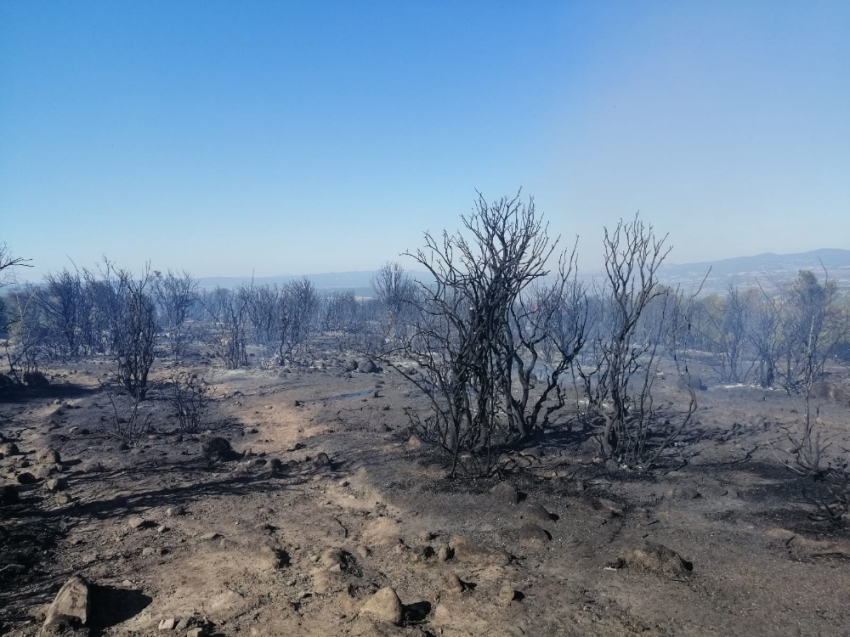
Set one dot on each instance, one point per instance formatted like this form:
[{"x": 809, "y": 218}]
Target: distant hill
[{"x": 768, "y": 268}]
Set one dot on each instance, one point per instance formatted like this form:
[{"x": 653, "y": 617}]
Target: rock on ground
[
  {"x": 384, "y": 606},
  {"x": 218, "y": 448},
  {"x": 71, "y": 607},
  {"x": 533, "y": 536},
  {"x": 505, "y": 493},
  {"x": 657, "y": 557}
]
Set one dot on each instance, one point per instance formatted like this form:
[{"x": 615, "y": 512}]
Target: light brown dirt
[{"x": 300, "y": 553}]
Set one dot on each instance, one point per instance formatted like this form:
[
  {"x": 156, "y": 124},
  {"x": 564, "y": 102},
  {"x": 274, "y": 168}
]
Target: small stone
[
  {"x": 162, "y": 528},
  {"x": 42, "y": 472},
  {"x": 445, "y": 553},
  {"x": 334, "y": 558},
  {"x": 56, "y": 484},
  {"x": 9, "y": 449},
  {"x": 173, "y": 512},
  {"x": 507, "y": 594},
  {"x": 612, "y": 507},
  {"x": 384, "y": 606},
  {"x": 137, "y": 522},
  {"x": 271, "y": 557},
  {"x": 426, "y": 536},
  {"x": 414, "y": 442},
  {"x": 168, "y": 624},
  {"x": 453, "y": 584},
  {"x": 363, "y": 551},
  {"x": 150, "y": 551},
  {"x": 210, "y": 536},
  {"x": 62, "y": 499},
  {"x": 48, "y": 456},
  {"x": 196, "y": 632},
  {"x": 322, "y": 460},
  {"x": 683, "y": 493}
]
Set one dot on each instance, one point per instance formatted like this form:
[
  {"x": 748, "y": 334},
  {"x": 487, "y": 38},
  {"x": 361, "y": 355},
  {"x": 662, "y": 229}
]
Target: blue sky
[{"x": 231, "y": 137}]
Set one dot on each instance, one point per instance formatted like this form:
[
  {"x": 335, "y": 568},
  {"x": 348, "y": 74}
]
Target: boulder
[
  {"x": 9, "y": 449},
  {"x": 454, "y": 584},
  {"x": 505, "y": 493},
  {"x": 657, "y": 557},
  {"x": 367, "y": 367},
  {"x": 26, "y": 478},
  {"x": 683, "y": 493},
  {"x": 384, "y": 606},
  {"x": 322, "y": 461},
  {"x": 56, "y": 484},
  {"x": 71, "y": 607},
  {"x": 217, "y": 448},
  {"x": 465, "y": 550},
  {"x": 48, "y": 456},
  {"x": 535, "y": 511},
  {"x": 533, "y": 536}
]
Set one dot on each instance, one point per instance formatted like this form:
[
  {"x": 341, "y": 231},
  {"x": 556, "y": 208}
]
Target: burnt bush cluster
[{"x": 500, "y": 335}]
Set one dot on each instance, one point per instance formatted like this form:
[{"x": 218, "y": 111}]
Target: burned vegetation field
[{"x": 497, "y": 449}]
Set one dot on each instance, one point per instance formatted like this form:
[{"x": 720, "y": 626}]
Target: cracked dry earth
[{"x": 169, "y": 540}]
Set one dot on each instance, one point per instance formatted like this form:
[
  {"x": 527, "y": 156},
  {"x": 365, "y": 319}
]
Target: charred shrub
[
  {"x": 190, "y": 398},
  {"x": 35, "y": 379}
]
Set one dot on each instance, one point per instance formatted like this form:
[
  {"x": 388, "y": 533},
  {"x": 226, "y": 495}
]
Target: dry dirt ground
[{"x": 719, "y": 544}]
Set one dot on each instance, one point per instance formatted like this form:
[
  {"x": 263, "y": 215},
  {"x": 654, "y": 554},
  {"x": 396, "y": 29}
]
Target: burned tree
[
  {"x": 545, "y": 331},
  {"x": 297, "y": 315},
  {"x": 60, "y": 298},
  {"x": 809, "y": 329},
  {"x": 475, "y": 329},
  {"x": 229, "y": 312},
  {"x": 8, "y": 261},
  {"x": 175, "y": 295},
  {"x": 395, "y": 291},
  {"x": 726, "y": 323},
  {"x": 134, "y": 330},
  {"x": 633, "y": 255}
]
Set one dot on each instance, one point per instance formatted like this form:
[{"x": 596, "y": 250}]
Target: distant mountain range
[{"x": 768, "y": 269}]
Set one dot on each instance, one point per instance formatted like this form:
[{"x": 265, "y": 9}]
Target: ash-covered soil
[{"x": 718, "y": 541}]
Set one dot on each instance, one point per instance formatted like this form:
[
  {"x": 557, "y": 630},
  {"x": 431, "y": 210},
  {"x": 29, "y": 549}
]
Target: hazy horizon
[{"x": 228, "y": 139}]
